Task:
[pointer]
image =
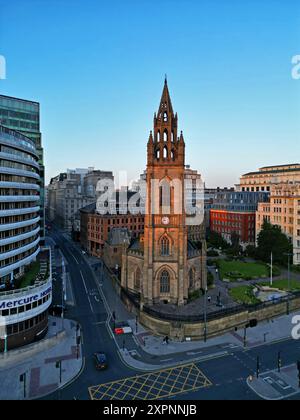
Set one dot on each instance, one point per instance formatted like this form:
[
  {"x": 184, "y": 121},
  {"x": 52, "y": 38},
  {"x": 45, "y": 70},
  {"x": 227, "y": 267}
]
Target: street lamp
[
  {"x": 288, "y": 254},
  {"x": 5, "y": 343},
  {"x": 205, "y": 314}
]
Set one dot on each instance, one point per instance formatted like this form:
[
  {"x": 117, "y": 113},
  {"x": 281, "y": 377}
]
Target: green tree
[
  {"x": 272, "y": 240},
  {"x": 216, "y": 240}
]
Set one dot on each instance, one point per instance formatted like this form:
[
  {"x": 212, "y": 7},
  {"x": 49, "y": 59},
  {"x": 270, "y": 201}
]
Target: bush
[{"x": 195, "y": 295}]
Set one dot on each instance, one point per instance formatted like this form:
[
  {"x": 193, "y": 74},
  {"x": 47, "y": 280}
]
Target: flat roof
[
  {"x": 274, "y": 171},
  {"x": 19, "y": 99}
]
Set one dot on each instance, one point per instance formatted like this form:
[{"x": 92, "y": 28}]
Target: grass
[
  {"x": 244, "y": 270},
  {"x": 283, "y": 284},
  {"x": 244, "y": 294},
  {"x": 29, "y": 277}
]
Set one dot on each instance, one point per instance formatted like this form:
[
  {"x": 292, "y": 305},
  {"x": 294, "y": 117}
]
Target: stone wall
[{"x": 215, "y": 327}]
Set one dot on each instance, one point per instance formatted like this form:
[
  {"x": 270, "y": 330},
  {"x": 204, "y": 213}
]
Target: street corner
[{"x": 276, "y": 385}]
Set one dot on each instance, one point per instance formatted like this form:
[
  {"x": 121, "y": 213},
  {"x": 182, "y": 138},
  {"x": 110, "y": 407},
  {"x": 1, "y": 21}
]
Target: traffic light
[{"x": 279, "y": 361}]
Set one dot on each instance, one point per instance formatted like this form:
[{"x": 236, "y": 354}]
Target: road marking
[
  {"x": 87, "y": 293},
  {"x": 160, "y": 384}
]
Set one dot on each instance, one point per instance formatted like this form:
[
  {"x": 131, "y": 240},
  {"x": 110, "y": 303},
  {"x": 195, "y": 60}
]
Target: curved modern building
[{"x": 25, "y": 292}]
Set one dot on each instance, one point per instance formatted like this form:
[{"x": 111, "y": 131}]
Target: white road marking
[{"x": 87, "y": 293}]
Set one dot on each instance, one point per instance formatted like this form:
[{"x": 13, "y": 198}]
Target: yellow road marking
[{"x": 160, "y": 384}]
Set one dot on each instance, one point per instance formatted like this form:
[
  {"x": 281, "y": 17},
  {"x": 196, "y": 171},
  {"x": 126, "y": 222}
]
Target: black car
[
  {"x": 100, "y": 361},
  {"x": 57, "y": 310}
]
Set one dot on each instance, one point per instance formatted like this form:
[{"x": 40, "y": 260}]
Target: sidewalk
[
  {"x": 38, "y": 362},
  {"x": 273, "y": 385}
]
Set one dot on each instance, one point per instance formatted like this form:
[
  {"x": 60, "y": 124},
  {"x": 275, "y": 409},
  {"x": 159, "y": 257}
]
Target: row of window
[
  {"x": 16, "y": 124},
  {"x": 17, "y": 219},
  {"x": 17, "y": 258},
  {"x": 17, "y": 165},
  {"x": 17, "y": 205},
  {"x": 16, "y": 232},
  {"x": 17, "y": 192},
  {"x": 16, "y": 178},
  {"x": 17, "y": 245},
  {"x": 19, "y": 115},
  {"x": 18, "y": 153},
  {"x": 25, "y": 325}
]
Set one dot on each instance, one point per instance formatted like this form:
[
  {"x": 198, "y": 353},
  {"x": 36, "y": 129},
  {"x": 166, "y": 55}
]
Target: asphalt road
[{"x": 227, "y": 374}]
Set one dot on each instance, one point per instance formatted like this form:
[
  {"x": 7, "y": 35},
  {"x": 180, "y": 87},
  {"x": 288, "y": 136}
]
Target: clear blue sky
[{"x": 97, "y": 68}]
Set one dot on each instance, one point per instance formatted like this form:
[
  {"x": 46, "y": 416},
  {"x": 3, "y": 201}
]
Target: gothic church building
[{"x": 163, "y": 265}]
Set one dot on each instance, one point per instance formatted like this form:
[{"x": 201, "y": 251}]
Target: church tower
[{"x": 165, "y": 277}]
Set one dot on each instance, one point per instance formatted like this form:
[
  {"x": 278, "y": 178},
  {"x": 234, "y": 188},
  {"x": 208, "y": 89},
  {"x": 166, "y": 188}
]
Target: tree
[
  {"x": 235, "y": 243},
  {"x": 216, "y": 240},
  {"x": 272, "y": 240}
]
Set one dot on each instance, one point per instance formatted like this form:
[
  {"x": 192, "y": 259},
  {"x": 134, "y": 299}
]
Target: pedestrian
[{"x": 167, "y": 340}]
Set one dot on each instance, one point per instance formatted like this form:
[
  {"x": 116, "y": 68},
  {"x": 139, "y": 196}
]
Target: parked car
[{"x": 100, "y": 360}]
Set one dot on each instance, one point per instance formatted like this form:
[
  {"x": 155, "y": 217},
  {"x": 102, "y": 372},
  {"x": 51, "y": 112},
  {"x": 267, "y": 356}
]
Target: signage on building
[{"x": 26, "y": 299}]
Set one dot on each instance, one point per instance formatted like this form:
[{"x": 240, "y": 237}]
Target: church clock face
[{"x": 165, "y": 220}]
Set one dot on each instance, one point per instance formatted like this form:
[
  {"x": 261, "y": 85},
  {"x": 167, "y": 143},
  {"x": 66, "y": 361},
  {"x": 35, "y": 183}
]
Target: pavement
[
  {"x": 37, "y": 362},
  {"x": 275, "y": 384}
]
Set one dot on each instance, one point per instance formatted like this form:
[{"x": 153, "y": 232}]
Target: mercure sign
[{"x": 27, "y": 299}]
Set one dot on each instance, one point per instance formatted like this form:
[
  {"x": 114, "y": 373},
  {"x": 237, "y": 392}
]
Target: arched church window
[
  {"x": 157, "y": 154},
  {"x": 165, "y": 282},
  {"x": 137, "y": 279},
  {"x": 172, "y": 136},
  {"x": 165, "y": 155},
  {"x": 172, "y": 155},
  {"x": 165, "y": 136},
  {"x": 165, "y": 247},
  {"x": 158, "y": 136},
  {"x": 192, "y": 277},
  {"x": 165, "y": 117}
]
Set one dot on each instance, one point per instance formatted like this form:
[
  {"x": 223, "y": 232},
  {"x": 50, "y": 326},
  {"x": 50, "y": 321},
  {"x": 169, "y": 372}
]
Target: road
[{"x": 227, "y": 374}]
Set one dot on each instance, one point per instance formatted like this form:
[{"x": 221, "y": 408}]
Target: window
[
  {"x": 137, "y": 279},
  {"x": 165, "y": 282},
  {"x": 165, "y": 155},
  {"x": 165, "y": 117},
  {"x": 165, "y": 247},
  {"x": 165, "y": 136}
]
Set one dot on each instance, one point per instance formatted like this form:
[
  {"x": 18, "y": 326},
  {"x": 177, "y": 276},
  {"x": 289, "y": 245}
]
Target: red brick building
[
  {"x": 228, "y": 222},
  {"x": 95, "y": 228}
]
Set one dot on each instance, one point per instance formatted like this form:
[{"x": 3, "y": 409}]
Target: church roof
[{"x": 166, "y": 99}]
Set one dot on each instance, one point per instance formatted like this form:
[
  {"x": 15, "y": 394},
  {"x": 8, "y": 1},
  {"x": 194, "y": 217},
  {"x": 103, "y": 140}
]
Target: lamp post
[
  {"x": 205, "y": 314},
  {"x": 289, "y": 254},
  {"x": 271, "y": 279},
  {"x": 5, "y": 343}
]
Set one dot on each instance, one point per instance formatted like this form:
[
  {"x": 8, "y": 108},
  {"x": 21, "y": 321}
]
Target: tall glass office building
[{"x": 24, "y": 116}]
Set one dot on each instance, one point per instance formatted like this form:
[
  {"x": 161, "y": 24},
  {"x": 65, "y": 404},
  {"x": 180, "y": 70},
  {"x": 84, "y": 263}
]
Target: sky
[{"x": 97, "y": 68}]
